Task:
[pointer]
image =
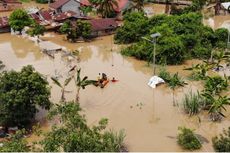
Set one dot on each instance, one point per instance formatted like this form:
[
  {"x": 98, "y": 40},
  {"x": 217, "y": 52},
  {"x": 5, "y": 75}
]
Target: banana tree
[
  {"x": 62, "y": 86},
  {"x": 174, "y": 82},
  {"x": 82, "y": 83},
  {"x": 199, "y": 71},
  {"x": 218, "y": 104}
]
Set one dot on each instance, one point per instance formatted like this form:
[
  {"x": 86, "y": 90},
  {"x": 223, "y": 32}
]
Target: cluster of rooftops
[{"x": 62, "y": 10}]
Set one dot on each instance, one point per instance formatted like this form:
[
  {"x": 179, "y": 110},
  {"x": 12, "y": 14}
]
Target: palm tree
[
  {"x": 67, "y": 81},
  {"x": 82, "y": 83},
  {"x": 106, "y": 7}
]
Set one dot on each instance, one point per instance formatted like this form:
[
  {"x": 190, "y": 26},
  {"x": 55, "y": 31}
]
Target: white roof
[{"x": 154, "y": 80}]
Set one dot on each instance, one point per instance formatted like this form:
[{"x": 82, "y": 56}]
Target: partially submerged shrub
[
  {"x": 187, "y": 139},
  {"x": 214, "y": 85},
  {"x": 221, "y": 143},
  {"x": 192, "y": 103}
]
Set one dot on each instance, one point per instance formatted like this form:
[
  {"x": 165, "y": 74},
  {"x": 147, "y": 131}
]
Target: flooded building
[
  {"x": 9, "y": 5},
  {"x": 101, "y": 27},
  {"x": 61, "y": 6},
  {"x": 4, "y": 25}
]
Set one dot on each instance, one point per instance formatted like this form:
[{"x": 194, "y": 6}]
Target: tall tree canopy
[
  {"x": 19, "y": 19},
  {"x": 105, "y": 7},
  {"x": 21, "y": 93}
]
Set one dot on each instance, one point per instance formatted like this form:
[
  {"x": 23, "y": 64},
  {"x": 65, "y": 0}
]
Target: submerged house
[
  {"x": 102, "y": 27},
  {"x": 9, "y": 5},
  {"x": 61, "y": 6},
  {"x": 4, "y": 25}
]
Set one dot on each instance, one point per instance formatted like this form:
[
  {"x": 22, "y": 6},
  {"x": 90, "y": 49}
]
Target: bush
[
  {"x": 222, "y": 143},
  {"x": 214, "y": 85},
  {"x": 135, "y": 26},
  {"x": 187, "y": 139},
  {"x": 192, "y": 103}
]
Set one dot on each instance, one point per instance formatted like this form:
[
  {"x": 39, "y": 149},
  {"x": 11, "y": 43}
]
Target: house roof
[
  {"x": 64, "y": 15},
  {"x": 11, "y": 1},
  {"x": 46, "y": 14},
  {"x": 58, "y": 4},
  {"x": 121, "y": 4},
  {"x": 4, "y": 22},
  {"x": 103, "y": 24}
]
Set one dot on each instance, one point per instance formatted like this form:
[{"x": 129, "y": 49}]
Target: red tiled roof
[
  {"x": 58, "y": 4},
  {"x": 103, "y": 24},
  {"x": 4, "y": 22},
  {"x": 64, "y": 15},
  {"x": 121, "y": 4}
]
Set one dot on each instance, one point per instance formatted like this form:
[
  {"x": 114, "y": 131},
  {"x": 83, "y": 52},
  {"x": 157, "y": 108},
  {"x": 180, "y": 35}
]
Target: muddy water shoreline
[{"x": 150, "y": 127}]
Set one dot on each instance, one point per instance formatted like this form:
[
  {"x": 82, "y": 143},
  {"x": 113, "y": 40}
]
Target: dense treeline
[{"x": 182, "y": 36}]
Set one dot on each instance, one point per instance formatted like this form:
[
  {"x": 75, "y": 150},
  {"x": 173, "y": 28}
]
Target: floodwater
[{"x": 147, "y": 115}]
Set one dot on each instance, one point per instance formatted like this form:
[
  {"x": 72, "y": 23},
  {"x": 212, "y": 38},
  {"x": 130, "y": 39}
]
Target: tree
[
  {"x": 84, "y": 29},
  {"x": 67, "y": 81},
  {"x": 106, "y": 7},
  {"x": 82, "y": 83},
  {"x": 187, "y": 139},
  {"x": 19, "y": 19},
  {"x": 218, "y": 104},
  {"x": 68, "y": 29},
  {"x": 74, "y": 135},
  {"x": 135, "y": 5},
  {"x": 135, "y": 26},
  {"x": 21, "y": 93},
  {"x": 36, "y": 30},
  {"x": 215, "y": 85},
  {"x": 16, "y": 143},
  {"x": 221, "y": 143}
]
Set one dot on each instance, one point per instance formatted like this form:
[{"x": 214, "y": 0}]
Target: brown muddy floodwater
[{"x": 150, "y": 127}]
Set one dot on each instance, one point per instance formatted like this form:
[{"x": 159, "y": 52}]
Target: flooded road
[{"x": 147, "y": 115}]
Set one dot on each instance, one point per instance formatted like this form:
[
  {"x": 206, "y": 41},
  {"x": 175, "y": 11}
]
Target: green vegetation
[
  {"x": 173, "y": 81},
  {"x": 182, "y": 36},
  {"x": 187, "y": 139},
  {"x": 62, "y": 86},
  {"x": 82, "y": 30},
  {"x": 17, "y": 143},
  {"x": 81, "y": 83},
  {"x": 200, "y": 71},
  {"x": 105, "y": 7},
  {"x": 19, "y": 19},
  {"x": 221, "y": 143},
  {"x": 192, "y": 103},
  {"x": 215, "y": 85},
  {"x": 36, "y": 30},
  {"x": 74, "y": 135},
  {"x": 21, "y": 94}
]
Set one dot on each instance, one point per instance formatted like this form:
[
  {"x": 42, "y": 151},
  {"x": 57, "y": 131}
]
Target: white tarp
[
  {"x": 154, "y": 80},
  {"x": 226, "y": 5}
]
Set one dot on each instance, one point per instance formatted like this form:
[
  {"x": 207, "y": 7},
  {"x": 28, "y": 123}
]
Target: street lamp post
[{"x": 154, "y": 40}]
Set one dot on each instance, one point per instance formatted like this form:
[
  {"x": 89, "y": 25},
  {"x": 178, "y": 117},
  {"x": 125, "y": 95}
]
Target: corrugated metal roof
[{"x": 103, "y": 24}]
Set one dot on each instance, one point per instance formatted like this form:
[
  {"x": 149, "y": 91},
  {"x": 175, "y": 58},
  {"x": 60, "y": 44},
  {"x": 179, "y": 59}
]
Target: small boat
[{"x": 104, "y": 83}]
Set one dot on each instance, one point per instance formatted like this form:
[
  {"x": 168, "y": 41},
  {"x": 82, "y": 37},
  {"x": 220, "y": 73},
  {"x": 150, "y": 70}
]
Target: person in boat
[
  {"x": 104, "y": 77},
  {"x": 114, "y": 80}
]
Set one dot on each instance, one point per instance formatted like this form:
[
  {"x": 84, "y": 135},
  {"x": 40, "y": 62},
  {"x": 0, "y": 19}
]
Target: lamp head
[{"x": 155, "y": 35}]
